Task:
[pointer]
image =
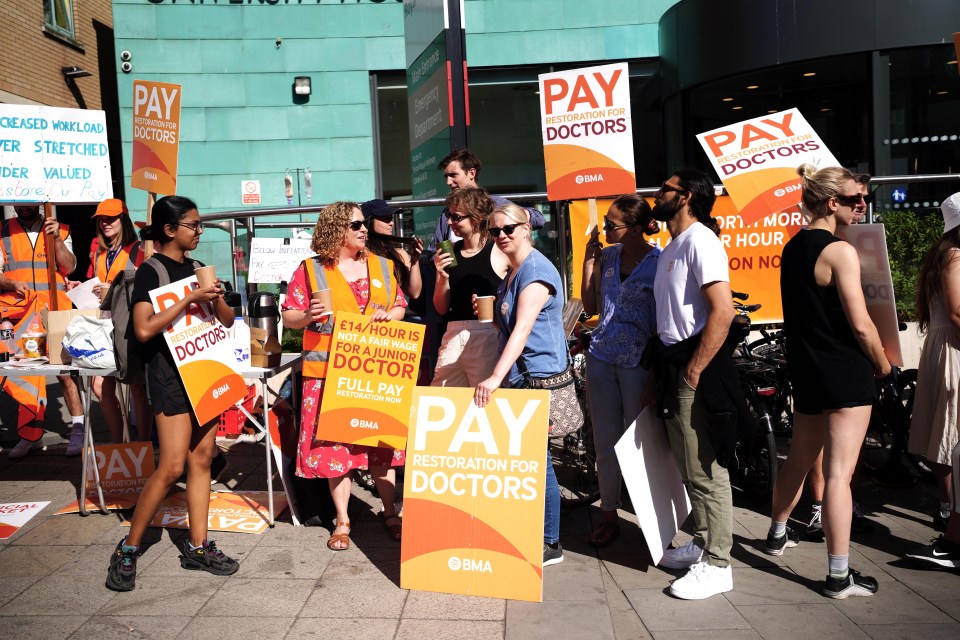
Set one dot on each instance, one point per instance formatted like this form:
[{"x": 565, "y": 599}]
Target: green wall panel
[
  {"x": 134, "y": 21},
  {"x": 182, "y": 22},
  {"x": 246, "y": 123}
]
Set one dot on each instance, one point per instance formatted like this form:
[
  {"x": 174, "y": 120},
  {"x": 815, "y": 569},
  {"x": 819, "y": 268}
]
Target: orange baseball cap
[{"x": 111, "y": 207}]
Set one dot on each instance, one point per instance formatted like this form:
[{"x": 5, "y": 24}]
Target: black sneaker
[
  {"x": 552, "y": 554},
  {"x": 815, "y": 526},
  {"x": 218, "y": 465},
  {"x": 775, "y": 546},
  {"x": 859, "y": 523},
  {"x": 122, "y": 574},
  {"x": 940, "y": 520},
  {"x": 942, "y": 553},
  {"x": 853, "y": 585},
  {"x": 207, "y": 558}
]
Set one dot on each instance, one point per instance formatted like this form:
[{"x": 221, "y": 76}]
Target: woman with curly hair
[{"x": 359, "y": 283}]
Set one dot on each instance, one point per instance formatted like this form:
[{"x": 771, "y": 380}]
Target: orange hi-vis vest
[
  {"x": 123, "y": 256},
  {"x": 316, "y": 336},
  {"x": 26, "y": 262}
]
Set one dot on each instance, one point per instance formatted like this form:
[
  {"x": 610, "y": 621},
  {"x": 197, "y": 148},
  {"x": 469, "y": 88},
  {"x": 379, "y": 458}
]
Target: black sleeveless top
[
  {"x": 472, "y": 275},
  {"x": 826, "y": 364}
]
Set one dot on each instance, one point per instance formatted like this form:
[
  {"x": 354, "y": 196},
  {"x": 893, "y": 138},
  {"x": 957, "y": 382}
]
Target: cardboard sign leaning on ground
[
  {"x": 587, "y": 132},
  {"x": 53, "y": 155},
  {"x": 870, "y": 241},
  {"x": 473, "y": 495},
  {"x": 124, "y": 470},
  {"x": 13, "y": 515},
  {"x": 238, "y": 512},
  {"x": 757, "y": 161},
  {"x": 156, "y": 136},
  {"x": 753, "y": 251},
  {"x": 202, "y": 352},
  {"x": 371, "y": 375},
  {"x": 654, "y": 482}
]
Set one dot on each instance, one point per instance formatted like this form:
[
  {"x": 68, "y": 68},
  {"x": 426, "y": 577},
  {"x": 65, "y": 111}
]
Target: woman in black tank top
[
  {"x": 834, "y": 354},
  {"x": 469, "y": 348}
]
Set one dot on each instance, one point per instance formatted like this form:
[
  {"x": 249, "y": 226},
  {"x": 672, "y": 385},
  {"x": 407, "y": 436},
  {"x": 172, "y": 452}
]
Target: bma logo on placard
[{"x": 468, "y": 564}]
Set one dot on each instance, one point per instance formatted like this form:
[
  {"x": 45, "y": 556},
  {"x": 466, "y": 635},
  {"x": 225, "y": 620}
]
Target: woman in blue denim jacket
[{"x": 618, "y": 284}]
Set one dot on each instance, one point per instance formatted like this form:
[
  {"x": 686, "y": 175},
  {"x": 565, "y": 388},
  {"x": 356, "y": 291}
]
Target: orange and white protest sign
[
  {"x": 371, "y": 374},
  {"x": 201, "y": 351},
  {"x": 587, "y": 132},
  {"x": 870, "y": 241},
  {"x": 239, "y": 512},
  {"x": 753, "y": 251},
  {"x": 124, "y": 470},
  {"x": 13, "y": 515},
  {"x": 156, "y": 136},
  {"x": 473, "y": 494},
  {"x": 757, "y": 161}
]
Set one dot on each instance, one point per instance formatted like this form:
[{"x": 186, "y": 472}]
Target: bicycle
[{"x": 574, "y": 456}]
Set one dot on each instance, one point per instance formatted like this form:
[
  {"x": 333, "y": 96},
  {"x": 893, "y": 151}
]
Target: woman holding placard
[
  {"x": 176, "y": 229},
  {"x": 623, "y": 291},
  {"x": 528, "y": 313},
  {"x": 835, "y": 354},
  {"x": 468, "y": 350},
  {"x": 341, "y": 277}
]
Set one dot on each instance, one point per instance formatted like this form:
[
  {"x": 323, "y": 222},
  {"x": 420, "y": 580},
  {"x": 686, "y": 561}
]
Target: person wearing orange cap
[{"x": 118, "y": 249}]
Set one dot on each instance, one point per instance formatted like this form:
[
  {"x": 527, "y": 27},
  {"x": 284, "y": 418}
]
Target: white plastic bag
[{"x": 89, "y": 342}]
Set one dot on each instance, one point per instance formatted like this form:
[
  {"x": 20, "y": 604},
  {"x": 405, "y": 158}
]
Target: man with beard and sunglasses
[{"x": 697, "y": 393}]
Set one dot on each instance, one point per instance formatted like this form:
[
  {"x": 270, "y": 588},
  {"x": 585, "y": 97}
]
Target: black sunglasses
[
  {"x": 608, "y": 225},
  {"x": 455, "y": 217},
  {"x": 850, "y": 200},
  {"x": 507, "y": 229},
  {"x": 667, "y": 187},
  {"x": 355, "y": 225}
]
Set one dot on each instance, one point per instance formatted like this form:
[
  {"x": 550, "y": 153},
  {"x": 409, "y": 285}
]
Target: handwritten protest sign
[
  {"x": 124, "y": 470},
  {"x": 202, "y": 352},
  {"x": 757, "y": 161},
  {"x": 53, "y": 155},
  {"x": 473, "y": 497},
  {"x": 371, "y": 375},
  {"x": 275, "y": 259},
  {"x": 156, "y": 136},
  {"x": 587, "y": 132}
]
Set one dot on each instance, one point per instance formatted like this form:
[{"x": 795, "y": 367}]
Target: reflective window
[{"x": 58, "y": 16}]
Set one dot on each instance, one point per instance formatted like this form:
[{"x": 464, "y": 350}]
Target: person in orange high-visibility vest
[
  {"x": 118, "y": 250},
  {"x": 23, "y": 263},
  {"x": 359, "y": 282}
]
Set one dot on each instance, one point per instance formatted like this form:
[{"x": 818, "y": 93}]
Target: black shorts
[
  {"x": 816, "y": 391},
  {"x": 165, "y": 389}
]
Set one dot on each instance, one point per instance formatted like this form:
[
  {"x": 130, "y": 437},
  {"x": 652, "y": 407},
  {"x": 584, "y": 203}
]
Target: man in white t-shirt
[{"x": 694, "y": 304}]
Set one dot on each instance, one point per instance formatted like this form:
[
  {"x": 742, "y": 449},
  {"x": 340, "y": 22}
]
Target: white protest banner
[
  {"x": 587, "y": 132},
  {"x": 654, "y": 482},
  {"x": 53, "y": 155},
  {"x": 870, "y": 241},
  {"x": 757, "y": 161},
  {"x": 275, "y": 259},
  {"x": 13, "y": 515},
  {"x": 202, "y": 352}
]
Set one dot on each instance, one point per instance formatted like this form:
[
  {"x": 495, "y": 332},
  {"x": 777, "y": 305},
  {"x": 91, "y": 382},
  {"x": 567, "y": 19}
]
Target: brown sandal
[
  {"x": 339, "y": 538},
  {"x": 393, "y": 524}
]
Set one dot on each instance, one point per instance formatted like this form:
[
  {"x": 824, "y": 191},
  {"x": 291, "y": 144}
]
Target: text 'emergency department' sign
[{"x": 53, "y": 155}]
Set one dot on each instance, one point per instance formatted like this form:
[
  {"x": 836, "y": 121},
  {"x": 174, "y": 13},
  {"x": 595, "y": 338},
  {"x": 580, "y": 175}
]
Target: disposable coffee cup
[
  {"x": 206, "y": 276},
  {"x": 485, "y": 308},
  {"x": 323, "y": 295},
  {"x": 447, "y": 247},
  {"x": 104, "y": 290}
]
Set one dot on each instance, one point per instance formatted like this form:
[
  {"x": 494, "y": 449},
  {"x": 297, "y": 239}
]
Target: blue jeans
[{"x": 551, "y": 505}]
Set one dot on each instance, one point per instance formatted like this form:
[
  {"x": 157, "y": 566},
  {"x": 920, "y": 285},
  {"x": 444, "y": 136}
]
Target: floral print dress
[{"x": 322, "y": 458}]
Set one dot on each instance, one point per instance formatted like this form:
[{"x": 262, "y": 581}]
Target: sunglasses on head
[
  {"x": 455, "y": 217},
  {"x": 850, "y": 200},
  {"x": 356, "y": 225},
  {"x": 507, "y": 229}
]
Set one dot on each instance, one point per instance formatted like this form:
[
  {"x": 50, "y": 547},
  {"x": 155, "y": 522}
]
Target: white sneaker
[
  {"x": 702, "y": 581},
  {"x": 75, "y": 446},
  {"x": 22, "y": 448},
  {"x": 682, "y": 558}
]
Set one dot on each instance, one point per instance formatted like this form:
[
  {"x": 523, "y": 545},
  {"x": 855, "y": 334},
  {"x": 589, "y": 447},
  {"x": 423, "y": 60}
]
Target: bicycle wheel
[
  {"x": 757, "y": 457},
  {"x": 575, "y": 463}
]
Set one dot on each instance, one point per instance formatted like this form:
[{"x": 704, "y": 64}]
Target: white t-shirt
[
  {"x": 694, "y": 258},
  {"x": 32, "y": 234}
]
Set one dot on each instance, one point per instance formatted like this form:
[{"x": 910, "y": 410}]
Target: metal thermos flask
[{"x": 264, "y": 313}]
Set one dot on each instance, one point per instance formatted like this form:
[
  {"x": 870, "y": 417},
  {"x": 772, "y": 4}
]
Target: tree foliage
[{"x": 910, "y": 235}]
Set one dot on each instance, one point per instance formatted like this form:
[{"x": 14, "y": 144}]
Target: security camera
[
  {"x": 126, "y": 67},
  {"x": 126, "y": 56}
]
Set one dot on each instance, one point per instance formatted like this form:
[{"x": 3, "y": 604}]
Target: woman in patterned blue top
[{"x": 618, "y": 284}]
